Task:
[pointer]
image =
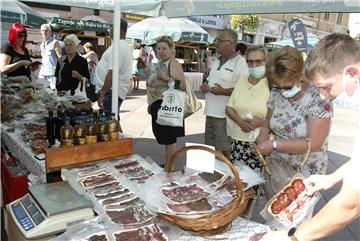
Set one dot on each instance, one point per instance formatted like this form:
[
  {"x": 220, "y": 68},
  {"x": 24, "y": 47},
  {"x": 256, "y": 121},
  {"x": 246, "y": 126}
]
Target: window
[
  {"x": 326, "y": 16},
  {"x": 339, "y": 18}
]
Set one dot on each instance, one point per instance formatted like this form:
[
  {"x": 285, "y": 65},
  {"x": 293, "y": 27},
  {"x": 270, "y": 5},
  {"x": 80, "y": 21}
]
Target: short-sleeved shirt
[
  {"x": 49, "y": 57},
  {"x": 226, "y": 76},
  {"x": 247, "y": 99},
  {"x": 289, "y": 121},
  {"x": 154, "y": 86},
  {"x": 66, "y": 81},
  {"x": 16, "y": 57},
  {"x": 125, "y": 68},
  {"x": 352, "y": 177}
]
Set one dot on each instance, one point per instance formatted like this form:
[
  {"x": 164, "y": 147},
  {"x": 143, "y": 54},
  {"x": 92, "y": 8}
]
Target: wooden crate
[{"x": 57, "y": 158}]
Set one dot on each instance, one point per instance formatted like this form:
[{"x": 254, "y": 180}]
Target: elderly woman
[
  {"x": 72, "y": 70},
  {"x": 168, "y": 71},
  {"x": 295, "y": 115},
  {"x": 14, "y": 58},
  {"x": 246, "y": 109}
]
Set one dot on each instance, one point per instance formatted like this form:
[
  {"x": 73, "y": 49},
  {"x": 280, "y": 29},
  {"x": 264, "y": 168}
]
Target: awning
[{"x": 73, "y": 25}]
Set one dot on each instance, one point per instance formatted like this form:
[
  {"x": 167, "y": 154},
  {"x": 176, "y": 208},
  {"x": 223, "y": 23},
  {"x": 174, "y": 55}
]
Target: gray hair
[
  {"x": 232, "y": 34},
  {"x": 73, "y": 38},
  {"x": 257, "y": 48}
]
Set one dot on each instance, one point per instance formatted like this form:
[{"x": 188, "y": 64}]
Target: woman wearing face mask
[
  {"x": 246, "y": 109},
  {"x": 295, "y": 114}
]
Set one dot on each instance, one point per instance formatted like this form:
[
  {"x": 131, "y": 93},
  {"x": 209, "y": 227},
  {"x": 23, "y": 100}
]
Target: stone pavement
[{"x": 136, "y": 122}]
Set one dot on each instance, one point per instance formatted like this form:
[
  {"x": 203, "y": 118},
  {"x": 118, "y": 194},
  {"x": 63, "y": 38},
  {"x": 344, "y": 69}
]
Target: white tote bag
[{"x": 171, "y": 112}]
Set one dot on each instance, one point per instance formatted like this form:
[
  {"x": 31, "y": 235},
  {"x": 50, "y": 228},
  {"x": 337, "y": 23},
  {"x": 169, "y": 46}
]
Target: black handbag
[{"x": 91, "y": 94}]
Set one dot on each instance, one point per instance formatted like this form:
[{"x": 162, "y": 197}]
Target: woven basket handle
[
  {"x": 266, "y": 162},
  {"x": 220, "y": 156}
]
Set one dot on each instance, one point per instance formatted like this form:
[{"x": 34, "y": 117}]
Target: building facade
[{"x": 272, "y": 27}]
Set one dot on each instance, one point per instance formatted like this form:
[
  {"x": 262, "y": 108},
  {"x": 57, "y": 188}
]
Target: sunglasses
[{"x": 22, "y": 35}]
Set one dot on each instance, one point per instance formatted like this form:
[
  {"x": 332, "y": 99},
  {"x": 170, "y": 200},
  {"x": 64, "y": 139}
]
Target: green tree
[
  {"x": 244, "y": 21},
  {"x": 358, "y": 37}
]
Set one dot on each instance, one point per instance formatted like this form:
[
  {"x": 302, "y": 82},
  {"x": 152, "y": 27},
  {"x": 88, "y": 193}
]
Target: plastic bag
[
  {"x": 297, "y": 211},
  {"x": 171, "y": 112}
]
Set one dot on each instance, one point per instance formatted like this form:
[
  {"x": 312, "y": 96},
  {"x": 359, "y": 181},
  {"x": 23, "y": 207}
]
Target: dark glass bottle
[{"x": 50, "y": 128}]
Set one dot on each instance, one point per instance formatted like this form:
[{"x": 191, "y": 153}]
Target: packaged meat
[
  {"x": 150, "y": 232},
  {"x": 124, "y": 204},
  {"x": 100, "y": 236},
  {"x": 197, "y": 207},
  {"x": 291, "y": 203},
  {"x": 132, "y": 215},
  {"x": 185, "y": 194},
  {"x": 126, "y": 164},
  {"x": 119, "y": 199},
  {"x": 110, "y": 193},
  {"x": 97, "y": 180}
]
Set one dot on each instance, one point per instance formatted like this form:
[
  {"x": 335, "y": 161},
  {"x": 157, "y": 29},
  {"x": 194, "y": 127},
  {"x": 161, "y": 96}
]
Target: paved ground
[{"x": 136, "y": 122}]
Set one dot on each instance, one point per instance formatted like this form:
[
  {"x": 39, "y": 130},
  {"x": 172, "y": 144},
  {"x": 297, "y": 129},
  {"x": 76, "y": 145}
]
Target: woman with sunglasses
[
  {"x": 295, "y": 115},
  {"x": 245, "y": 116},
  {"x": 14, "y": 58}
]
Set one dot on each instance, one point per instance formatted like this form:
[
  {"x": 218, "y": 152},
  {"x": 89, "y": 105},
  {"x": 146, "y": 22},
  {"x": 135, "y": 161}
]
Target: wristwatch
[{"x": 291, "y": 234}]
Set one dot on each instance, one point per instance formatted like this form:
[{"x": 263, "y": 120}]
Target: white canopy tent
[{"x": 181, "y": 8}]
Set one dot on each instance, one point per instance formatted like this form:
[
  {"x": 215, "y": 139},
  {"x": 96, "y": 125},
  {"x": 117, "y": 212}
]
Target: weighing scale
[{"x": 48, "y": 209}]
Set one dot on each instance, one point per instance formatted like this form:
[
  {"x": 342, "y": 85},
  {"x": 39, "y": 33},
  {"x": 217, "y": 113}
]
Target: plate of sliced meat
[
  {"x": 185, "y": 194},
  {"x": 150, "y": 232}
]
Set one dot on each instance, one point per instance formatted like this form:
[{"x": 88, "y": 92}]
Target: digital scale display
[{"x": 49, "y": 209}]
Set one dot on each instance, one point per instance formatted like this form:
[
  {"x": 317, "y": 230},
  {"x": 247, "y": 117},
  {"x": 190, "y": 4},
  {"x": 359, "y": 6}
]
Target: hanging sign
[{"x": 298, "y": 34}]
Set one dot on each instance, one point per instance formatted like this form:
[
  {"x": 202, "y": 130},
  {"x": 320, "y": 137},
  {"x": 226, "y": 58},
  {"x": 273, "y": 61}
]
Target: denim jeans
[{"x": 108, "y": 104}]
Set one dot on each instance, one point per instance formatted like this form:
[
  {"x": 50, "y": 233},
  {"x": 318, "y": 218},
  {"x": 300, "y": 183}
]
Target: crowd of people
[{"x": 278, "y": 101}]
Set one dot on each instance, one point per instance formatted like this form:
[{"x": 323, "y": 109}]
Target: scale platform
[{"x": 48, "y": 209}]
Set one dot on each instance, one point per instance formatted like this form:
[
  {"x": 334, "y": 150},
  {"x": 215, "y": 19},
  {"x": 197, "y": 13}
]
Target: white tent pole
[{"x": 116, "y": 55}]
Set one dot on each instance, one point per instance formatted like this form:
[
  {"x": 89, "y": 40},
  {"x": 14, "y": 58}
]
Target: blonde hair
[
  {"x": 89, "y": 45},
  {"x": 284, "y": 65},
  {"x": 168, "y": 40}
]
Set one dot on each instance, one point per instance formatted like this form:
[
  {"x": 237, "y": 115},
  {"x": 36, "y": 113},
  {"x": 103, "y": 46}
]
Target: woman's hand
[
  {"x": 265, "y": 147},
  {"x": 257, "y": 122},
  {"x": 163, "y": 76},
  {"x": 76, "y": 75},
  {"x": 204, "y": 87},
  {"x": 245, "y": 125},
  {"x": 25, "y": 63},
  {"x": 263, "y": 136}
]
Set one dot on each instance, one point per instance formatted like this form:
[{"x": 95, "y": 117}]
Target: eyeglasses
[
  {"x": 255, "y": 61},
  {"x": 222, "y": 40},
  {"x": 284, "y": 87},
  {"x": 22, "y": 35}
]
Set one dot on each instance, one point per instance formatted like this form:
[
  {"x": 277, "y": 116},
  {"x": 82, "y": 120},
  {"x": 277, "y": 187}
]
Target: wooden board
[{"x": 57, "y": 158}]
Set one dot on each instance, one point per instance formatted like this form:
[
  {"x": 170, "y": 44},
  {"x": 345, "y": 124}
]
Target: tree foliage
[{"x": 251, "y": 21}]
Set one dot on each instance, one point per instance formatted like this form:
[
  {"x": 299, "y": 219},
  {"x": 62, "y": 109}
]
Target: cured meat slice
[
  {"x": 199, "y": 206},
  {"x": 89, "y": 171},
  {"x": 298, "y": 185},
  {"x": 111, "y": 193},
  {"x": 185, "y": 194},
  {"x": 152, "y": 232},
  {"x": 104, "y": 186},
  {"x": 122, "y": 198},
  {"x": 97, "y": 180},
  {"x": 128, "y": 163},
  {"x": 141, "y": 179},
  {"x": 132, "y": 215},
  {"x": 212, "y": 177},
  {"x": 100, "y": 236},
  {"x": 123, "y": 205}
]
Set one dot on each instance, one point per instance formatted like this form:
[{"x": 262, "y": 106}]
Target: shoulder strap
[{"x": 169, "y": 68}]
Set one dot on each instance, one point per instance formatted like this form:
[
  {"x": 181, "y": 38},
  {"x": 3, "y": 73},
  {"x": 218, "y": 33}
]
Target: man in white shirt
[
  {"x": 225, "y": 72},
  {"x": 334, "y": 66},
  {"x": 103, "y": 71}
]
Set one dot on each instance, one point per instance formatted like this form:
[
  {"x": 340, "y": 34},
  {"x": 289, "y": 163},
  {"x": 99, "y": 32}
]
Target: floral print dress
[{"x": 289, "y": 122}]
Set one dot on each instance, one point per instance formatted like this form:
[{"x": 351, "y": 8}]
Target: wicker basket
[{"x": 218, "y": 221}]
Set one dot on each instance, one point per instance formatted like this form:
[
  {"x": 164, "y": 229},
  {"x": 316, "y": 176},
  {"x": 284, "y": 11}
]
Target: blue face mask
[
  {"x": 292, "y": 92},
  {"x": 257, "y": 72}
]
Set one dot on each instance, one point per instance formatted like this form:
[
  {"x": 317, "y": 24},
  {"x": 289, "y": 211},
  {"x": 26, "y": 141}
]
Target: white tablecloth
[
  {"x": 194, "y": 79},
  {"x": 23, "y": 152}
]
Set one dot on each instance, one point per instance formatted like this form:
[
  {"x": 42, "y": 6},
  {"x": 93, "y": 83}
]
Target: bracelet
[{"x": 274, "y": 144}]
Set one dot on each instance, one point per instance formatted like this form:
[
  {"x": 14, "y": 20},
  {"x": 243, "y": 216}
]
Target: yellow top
[{"x": 247, "y": 99}]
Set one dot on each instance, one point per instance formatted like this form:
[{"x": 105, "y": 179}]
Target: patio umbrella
[
  {"x": 15, "y": 11},
  {"x": 180, "y": 29}
]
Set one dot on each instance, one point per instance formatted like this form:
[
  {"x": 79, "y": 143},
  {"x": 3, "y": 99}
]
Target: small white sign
[
  {"x": 101, "y": 41},
  {"x": 200, "y": 160}
]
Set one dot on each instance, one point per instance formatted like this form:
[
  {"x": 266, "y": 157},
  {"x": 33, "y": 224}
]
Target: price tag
[{"x": 200, "y": 160}]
